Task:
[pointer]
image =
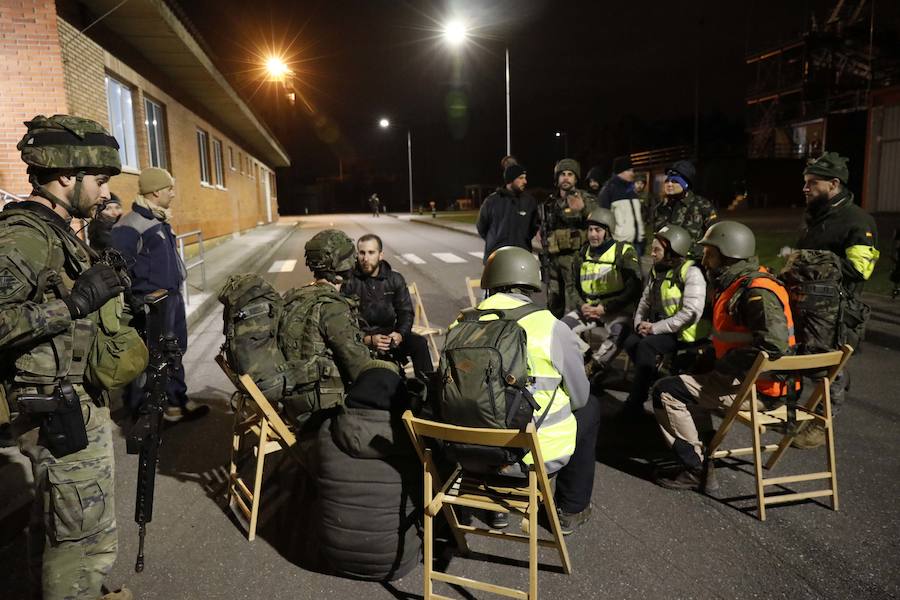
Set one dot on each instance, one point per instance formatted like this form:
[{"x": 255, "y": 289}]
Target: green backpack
[
  {"x": 483, "y": 369},
  {"x": 251, "y": 315},
  {"x": 813, "y": 282}
]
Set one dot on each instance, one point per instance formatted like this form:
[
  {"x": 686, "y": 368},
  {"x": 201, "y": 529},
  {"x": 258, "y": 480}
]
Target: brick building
[{"x": 140, "y": 70}]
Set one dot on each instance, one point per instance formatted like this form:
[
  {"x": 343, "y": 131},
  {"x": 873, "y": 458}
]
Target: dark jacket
[
  {"x": 506, "y": 219},
  {"x": 847, "y": 230},
  {"x": 384, "y": 302},
  {"x": 149, "y": 247},
  {"x": 368, "y": 481},
  {"x": 614, "y": 189}
]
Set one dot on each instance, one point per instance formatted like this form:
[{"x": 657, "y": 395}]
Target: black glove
[{"x": 93, "y": 289}]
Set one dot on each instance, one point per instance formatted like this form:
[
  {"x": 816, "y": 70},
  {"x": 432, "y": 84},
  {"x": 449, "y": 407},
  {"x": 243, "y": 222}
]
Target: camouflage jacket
[
  {"x": 760, "y": 311},
  {"x": 40, "y": 258},
  {"x": 694, "y": 213},
  {"x": 566, "y": 228}
]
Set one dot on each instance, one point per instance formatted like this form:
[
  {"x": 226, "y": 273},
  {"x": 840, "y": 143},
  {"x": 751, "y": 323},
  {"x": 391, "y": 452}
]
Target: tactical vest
[
  {"x": 602, "y": 277},
  {"x": 728, "y": 334},
  {"x": 671, "y": 297},
  {"x": 65, "y": 354},
  {"x": 558, "y": 430},
  {"x": 568, "y": 228}
]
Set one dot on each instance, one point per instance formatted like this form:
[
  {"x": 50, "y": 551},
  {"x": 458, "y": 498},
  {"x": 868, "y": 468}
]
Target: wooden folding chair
[
  {"x": 471, "y": 286},
  {"x": 259, "y": 429},
  {"x": 421, "y": 326},
  {"x": 464, "y": 489},
  {"x": 758, "y": 420}
]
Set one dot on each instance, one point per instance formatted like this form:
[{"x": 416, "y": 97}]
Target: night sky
[{"x": 617, "y": 77}]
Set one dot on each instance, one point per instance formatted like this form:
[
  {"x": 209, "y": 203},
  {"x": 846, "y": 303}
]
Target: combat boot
[{"x": 810, "y": 435}]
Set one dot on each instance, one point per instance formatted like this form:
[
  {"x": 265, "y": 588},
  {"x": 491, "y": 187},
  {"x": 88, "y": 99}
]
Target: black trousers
[
  {"x": 416, "y": 348},
  {"x": 575, "y": 481},
  {"x": 645, "y": 352}
]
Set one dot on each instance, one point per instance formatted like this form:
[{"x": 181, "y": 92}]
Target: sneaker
[
  {"x": 569, "y": 522},
  {"x": 810, "y": 435},
  {"x": 497, "y": 520}
]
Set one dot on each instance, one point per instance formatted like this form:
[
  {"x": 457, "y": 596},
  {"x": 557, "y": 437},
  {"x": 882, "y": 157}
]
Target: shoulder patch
[{"x": 11, "y": 284}]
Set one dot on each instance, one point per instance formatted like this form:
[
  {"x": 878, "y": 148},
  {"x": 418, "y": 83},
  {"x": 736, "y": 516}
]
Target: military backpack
[
  {"x": 483, "y": 370},
  {"x": 813, "y": 282}
]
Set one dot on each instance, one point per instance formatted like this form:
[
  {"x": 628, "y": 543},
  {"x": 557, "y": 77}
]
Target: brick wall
[
  {"x": 31, "y": 79},
  {"x": 217, "y": 209}
]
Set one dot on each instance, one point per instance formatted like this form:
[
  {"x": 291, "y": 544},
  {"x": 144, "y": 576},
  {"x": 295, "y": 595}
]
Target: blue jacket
[{"x": 149, "y": 247}]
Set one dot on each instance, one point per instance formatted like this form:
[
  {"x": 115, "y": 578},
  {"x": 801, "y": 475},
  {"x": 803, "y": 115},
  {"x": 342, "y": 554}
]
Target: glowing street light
[
  {"x": 455, "y": 33},
  {"x": 384, "y": 123},
  {"x": 277, "y": 68}
]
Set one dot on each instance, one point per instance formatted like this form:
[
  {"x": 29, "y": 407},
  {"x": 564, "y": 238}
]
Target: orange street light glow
[{"x": 276, "y": 67}]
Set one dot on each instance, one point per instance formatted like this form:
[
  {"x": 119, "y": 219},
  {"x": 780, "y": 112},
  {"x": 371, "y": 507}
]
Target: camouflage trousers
[
  {"x": 561, "y": 286},
  {"x": 74, "y": 518}
]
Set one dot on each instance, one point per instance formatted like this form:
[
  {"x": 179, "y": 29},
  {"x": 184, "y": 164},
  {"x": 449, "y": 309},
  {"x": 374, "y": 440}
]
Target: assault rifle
[{"x": 144, "y": 438}]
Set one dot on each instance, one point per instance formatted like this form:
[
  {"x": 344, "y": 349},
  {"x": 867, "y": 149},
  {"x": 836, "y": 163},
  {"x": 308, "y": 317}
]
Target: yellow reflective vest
[
  {"x": 602, "y": 276},
  {"x": 556, "y": 433},
  {"x": 671, "y": 292}
]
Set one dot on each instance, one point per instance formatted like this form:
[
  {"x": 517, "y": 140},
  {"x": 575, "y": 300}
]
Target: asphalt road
[{"x": 642, "y": 541}]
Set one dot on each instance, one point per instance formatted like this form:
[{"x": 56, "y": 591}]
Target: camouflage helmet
[
  {"x": 678, "y": 238},
  {"x": 602, "y": 216},
  {"x": 566, "y": 164},
  {"x": 64, "y": 142},
  {"x": 511, "y": 266},
  {"x": 733, "y": 239},
  {"x": 330, "y": 250}
]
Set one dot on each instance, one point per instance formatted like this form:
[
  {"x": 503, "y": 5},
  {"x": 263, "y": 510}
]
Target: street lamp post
[{"x": 384, "y": 123}]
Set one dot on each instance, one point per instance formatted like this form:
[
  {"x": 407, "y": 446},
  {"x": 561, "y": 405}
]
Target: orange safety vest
[{"x": 728, "y": 334}]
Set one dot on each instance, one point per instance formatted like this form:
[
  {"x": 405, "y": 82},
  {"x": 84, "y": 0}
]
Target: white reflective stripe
[
  {"x": 545, "y": 384},
  {"x": 556, "y": 417},
  {"x": 599, "y": 273}
]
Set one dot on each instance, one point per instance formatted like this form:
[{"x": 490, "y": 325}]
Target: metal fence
[{"x": 199, "y": 261}]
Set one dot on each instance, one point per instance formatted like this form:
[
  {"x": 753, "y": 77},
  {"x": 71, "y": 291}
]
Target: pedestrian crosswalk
[{"x": 408, "y": 258}]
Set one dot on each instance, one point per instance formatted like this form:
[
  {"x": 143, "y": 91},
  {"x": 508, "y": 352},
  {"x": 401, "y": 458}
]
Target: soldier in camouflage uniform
[
  {"x": 323, "y": 322},
  {"x": 566, "y": 214},
  {"x": 49, "y": 298},
  {"x": 682, "y": 207}
]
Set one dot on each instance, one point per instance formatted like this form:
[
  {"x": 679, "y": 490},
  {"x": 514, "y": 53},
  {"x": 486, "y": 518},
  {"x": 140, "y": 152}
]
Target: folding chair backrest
[
  {"x": 806, "y": 362},
  {"x": 471, "y": 286},
  {"x": 496, "y": 438}
]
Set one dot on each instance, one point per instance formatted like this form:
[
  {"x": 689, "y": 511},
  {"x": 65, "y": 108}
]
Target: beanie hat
[
  {"x": 153, "y": 179},
  {"x": 512, "y": 172},
  {"x": 830, "y": 165},
  {"x": 621, "y": 164},
  {"x": 685, "y": 169},
  {"x": 596, "y": 173},
  {"x": 113, "y": 199},
  {"x": 674, "y": 176},
  {"x": 566, "y": 164}
]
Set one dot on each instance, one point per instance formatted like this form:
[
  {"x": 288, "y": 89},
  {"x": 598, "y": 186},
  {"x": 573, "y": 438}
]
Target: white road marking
[
  {"x": 283, "y": 266},
  {"x": 401, "y": 260},
  {"x": 478, "y": 255},
  {"x": 448, "y": 257},
  {"x": 413, "y": 259}
]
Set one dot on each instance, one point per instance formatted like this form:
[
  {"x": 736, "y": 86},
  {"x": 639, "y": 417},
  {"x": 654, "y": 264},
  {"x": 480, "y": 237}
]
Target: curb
[
  {"x": 249, "y": 265},
  {"x": 443, "y": 226}
]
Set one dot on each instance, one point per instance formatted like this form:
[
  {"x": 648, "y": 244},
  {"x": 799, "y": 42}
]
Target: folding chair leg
[
  {"x": 258, "y": 476},
  {"x": 757, "y": 457},
  {"x": 829, "y": 444},
  {"x": 429, "y": 534},
  {"x": 533, "y": 509}
]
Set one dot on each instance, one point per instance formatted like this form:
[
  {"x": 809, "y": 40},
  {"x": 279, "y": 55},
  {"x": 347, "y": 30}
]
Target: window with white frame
[
  {"x": 203, "y": 149},
  {"x": 121, "y": 120},
  {"x": 156, "y": 134},
  {"x": 218, "y": 162},
  {"x": 231, "y": 158}
]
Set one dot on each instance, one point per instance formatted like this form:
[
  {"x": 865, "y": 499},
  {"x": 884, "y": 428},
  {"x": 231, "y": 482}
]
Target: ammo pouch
[
  {"x": 854, "y": 316},
  {"x": 62, "y": 428},
  {"x": 118, "y": 354},
  {"x": 306, "y": 396},
  {"x": 564, "y": 241}
]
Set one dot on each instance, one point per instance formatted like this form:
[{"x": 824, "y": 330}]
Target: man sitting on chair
[
  {"x": 568, "y": 433},
  {"x": 751, "y": 313},
  {"x": 385, "y": 307}
]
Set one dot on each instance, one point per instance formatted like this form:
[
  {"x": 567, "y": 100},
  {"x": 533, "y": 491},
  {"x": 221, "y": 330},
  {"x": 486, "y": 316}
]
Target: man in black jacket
[
  {"x": 508, "y": 217},
  {"x": 386, "y": 312}
]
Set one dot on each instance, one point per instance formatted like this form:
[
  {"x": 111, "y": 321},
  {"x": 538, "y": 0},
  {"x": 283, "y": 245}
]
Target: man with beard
[
  {"x": 835, "y": 223},
  {"x": 385, "y": 308},
  {"x": 751, "y": 313},
  {"x": 508, "y": 217},
  {"x": 566, "y": 213},
  {"x": 594, "y": 180},
  {"x": 682, "y": 207}
]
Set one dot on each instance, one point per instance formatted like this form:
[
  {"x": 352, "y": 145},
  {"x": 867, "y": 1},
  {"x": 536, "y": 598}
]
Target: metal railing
[
  {"x": 198, "y": 262},
  {"x": 10, "y": 197}
]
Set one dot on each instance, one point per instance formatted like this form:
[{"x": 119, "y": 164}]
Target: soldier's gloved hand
[{"x": 93, "y": 289}]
